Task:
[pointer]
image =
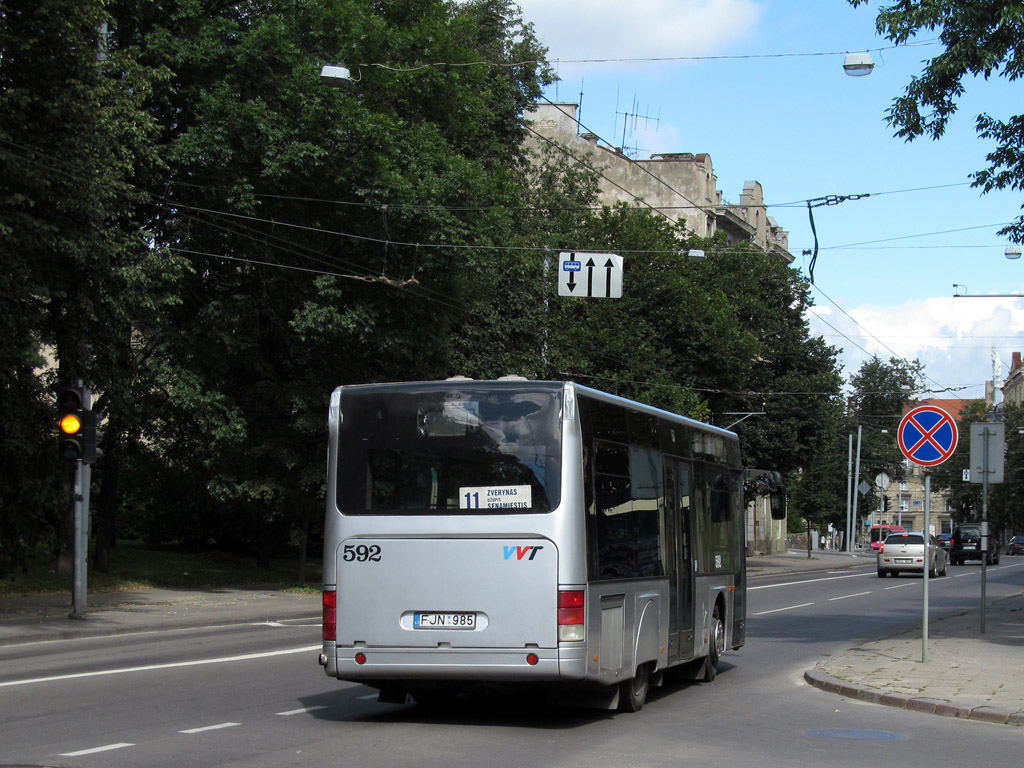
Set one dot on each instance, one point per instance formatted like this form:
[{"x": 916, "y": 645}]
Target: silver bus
[{"x": 482, "y": 533}]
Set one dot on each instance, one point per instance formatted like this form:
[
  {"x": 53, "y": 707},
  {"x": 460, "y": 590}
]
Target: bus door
[{"x": 678, "y": 543}]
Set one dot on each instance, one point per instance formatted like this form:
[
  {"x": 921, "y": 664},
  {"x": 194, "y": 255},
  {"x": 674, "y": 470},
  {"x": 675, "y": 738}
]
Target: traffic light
[
  {"x": 90, "y": 437},
  {"x": 885, "y": 503},
  {"x": 71, "y": 422}
]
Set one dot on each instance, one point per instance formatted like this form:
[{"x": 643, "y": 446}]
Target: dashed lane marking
[
  {"x": 779, "y": 610},
  {"x": 94, "y": 750},
  {"x": 204, "y": 728}
]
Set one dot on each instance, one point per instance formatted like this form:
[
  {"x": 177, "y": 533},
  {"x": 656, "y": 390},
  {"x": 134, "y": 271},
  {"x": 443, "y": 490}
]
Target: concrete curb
[{"x": 819, "y": 679}]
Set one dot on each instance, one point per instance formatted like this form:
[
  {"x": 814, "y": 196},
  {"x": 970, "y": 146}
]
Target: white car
[{"x": 904, "y": 552}]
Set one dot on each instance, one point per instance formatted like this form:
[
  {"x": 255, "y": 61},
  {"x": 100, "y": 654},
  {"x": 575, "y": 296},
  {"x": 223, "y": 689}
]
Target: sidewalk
[
  {"x": 967, "y": 675},
  {"x": 45, "y": 617}
]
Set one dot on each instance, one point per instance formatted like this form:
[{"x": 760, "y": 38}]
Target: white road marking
[
  {"x": 843, "y": 597},
  {"x": 302, "y": 711},
  {"x": 205, "y": 728},
  {"x": 94, "y": 750},
  {"x": 806, "y": 581},
  {"x": 777, "y": 610},
  {"x": 172, "y": 665}
]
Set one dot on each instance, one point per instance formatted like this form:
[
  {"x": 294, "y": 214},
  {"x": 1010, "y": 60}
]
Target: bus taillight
[
  {"x": 330, "y": 615},
  {"x": 571, "y": 605}
]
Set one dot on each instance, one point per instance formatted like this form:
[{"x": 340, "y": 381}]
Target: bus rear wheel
[
  {"x": 633, "y": 693},
  {"x": 716, "y": 646}
]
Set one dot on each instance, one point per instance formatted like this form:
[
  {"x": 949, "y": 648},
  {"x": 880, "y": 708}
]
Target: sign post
[
  {"x": 988, "y": 444},
  {"x": 927, "y": 436}
]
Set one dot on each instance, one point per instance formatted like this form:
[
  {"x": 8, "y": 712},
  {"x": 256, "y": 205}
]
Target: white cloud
[
  {"x": 601, "y": 29},
  {"x": 952, "y": 337}
]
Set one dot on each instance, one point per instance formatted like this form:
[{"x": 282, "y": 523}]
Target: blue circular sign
[{"x": 928, "y": 435}]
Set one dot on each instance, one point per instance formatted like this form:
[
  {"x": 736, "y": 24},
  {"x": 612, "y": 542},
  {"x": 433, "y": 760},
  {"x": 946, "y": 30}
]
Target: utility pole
[
  {"x": 856, "y": 482},
  {"x": 849, "y": 488}
]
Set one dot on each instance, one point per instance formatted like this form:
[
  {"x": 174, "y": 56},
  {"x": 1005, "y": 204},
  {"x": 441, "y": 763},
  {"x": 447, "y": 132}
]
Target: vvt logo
[{"x": 521, "y": 552}]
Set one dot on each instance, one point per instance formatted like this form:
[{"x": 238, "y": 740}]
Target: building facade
[
  {"x": 680, "y": 185},
  {"x": 1013, "y": 387}
]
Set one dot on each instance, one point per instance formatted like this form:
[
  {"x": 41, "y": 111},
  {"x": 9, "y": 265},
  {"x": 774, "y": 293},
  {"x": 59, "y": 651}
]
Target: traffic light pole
[
  {"x": 83, "y": 482},
  {"x": 79, "y": 586}
]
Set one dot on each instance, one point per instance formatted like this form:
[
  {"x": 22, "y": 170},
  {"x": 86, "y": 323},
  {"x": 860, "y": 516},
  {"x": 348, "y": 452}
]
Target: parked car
[
  {"x": 945, "y": 540},
  {"x": 1016, "y": 546},
  {"x": 966, "y": 545},
  {"x": 904, "y": 552}
]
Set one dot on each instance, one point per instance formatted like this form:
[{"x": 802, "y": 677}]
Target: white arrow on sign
[{"x": 594, "y": 275}]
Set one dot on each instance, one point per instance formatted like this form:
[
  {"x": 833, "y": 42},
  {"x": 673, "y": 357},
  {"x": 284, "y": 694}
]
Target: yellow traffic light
[
  {"x": 70, "y": 420},
  {"x": 70, "y": 424}
]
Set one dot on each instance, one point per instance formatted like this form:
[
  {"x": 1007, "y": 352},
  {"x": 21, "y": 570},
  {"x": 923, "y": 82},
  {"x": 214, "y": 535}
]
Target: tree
[
  {"x": 1007, "y": 509},
  {"x": 818, "y": 492},
  {"x": 793, "y": 378},
  {"x": 74, "y": 147},
  {"x": 333, "y": 236},
  {"x": 979, "y": 37},
  {"x": 965, "y": 497},
  {"x": 880, "y": 390},
  {"x": 1004, "y": 498}
]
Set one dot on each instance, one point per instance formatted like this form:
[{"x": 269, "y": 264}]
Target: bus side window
[
  {"x": 718, "y": 515},
  {"x": 625, "y": 529}
]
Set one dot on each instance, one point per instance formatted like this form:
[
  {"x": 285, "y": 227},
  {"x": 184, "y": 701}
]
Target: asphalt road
[{"x": 254, "y": 696}]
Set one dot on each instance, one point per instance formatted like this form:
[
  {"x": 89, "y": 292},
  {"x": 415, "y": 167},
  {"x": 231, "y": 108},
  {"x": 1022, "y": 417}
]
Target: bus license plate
[{"x": 444, "y": 621}]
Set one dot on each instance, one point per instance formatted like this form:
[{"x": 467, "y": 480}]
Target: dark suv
[{"x": 966, "y": 545}]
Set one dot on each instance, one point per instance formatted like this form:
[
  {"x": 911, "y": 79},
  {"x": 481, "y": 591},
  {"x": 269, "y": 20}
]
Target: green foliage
[
  {"x": 880, "y": 391},
  {"x": 1004, "y": 498},
  {"x": 1006, "y": 507},
  {"x": 965, "y": 496},
  {"x": 213, "y": 240},
  {"x": 979, "y": 38}
]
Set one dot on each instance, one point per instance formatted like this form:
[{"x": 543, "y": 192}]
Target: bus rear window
[{"x": 430, "y": 450}]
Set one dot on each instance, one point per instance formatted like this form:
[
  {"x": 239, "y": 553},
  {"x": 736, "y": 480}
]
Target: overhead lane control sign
[
  {"x": 593, "y": 275},
  {"x": 928, "y": 435}
]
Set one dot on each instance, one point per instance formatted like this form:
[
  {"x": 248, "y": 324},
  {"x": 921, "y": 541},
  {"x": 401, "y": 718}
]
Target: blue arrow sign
[{"x": 590, "y": 275}]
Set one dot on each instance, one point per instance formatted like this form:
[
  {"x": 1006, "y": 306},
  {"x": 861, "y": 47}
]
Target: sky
[{"x": 761, "y": 88}]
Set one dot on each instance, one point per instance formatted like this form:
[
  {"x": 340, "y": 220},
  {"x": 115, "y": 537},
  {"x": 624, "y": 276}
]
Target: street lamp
[
  {"x": 1012, "y": 252},
  {"x": 335, "y": 76},
  {"x": 858, "y": 64}
]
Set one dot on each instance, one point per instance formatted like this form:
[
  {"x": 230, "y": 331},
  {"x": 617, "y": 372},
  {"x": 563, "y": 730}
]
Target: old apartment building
[
  {"x": 1013, "y": 387},
  {"x": 680, "y": 185}
]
